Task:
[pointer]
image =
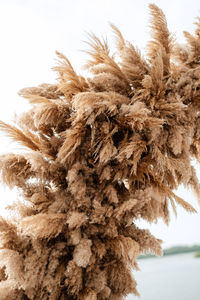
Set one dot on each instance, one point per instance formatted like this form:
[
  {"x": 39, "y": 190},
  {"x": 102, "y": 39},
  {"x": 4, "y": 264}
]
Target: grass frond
[
  {"x": 50, "y": 91},
  {"x": 100, "y": 54},
  {"x": 35, "y": 99},
  {"x": 70, "y": 82},
  {"x": 120, "y": 42},
  {"x": 18, "y": 136},
  {"x": 161, "y": 36}
]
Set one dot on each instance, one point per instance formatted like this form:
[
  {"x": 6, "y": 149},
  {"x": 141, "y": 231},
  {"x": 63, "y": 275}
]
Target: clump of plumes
[{"x": 101, "y": 152}]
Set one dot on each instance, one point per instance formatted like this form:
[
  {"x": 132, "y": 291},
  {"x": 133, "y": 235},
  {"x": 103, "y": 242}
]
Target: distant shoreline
[{"x": 173, "y": 250}]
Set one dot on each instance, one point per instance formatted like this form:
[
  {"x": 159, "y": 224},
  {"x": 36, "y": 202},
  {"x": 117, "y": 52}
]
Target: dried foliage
[{"x": 102, "y": 152}]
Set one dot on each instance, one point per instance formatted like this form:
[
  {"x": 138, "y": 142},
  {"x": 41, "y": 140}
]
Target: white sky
[{"x": 31, "y": 31}]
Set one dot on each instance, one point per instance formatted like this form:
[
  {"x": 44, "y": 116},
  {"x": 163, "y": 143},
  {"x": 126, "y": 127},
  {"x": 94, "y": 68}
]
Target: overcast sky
[{"x": 31, "y": 31}]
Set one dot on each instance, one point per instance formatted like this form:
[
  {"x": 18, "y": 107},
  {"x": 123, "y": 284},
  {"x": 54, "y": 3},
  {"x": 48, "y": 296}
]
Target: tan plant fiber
[{"x": 100, "y": 153}]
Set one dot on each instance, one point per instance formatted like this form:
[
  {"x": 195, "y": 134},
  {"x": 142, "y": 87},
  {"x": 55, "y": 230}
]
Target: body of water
[{"x": 173, "y": 277}]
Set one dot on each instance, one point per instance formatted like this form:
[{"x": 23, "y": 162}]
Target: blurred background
[{"x": 31, "y": 32}]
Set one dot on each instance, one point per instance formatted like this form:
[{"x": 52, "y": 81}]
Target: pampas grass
[{"x": 101, "y": 152}]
